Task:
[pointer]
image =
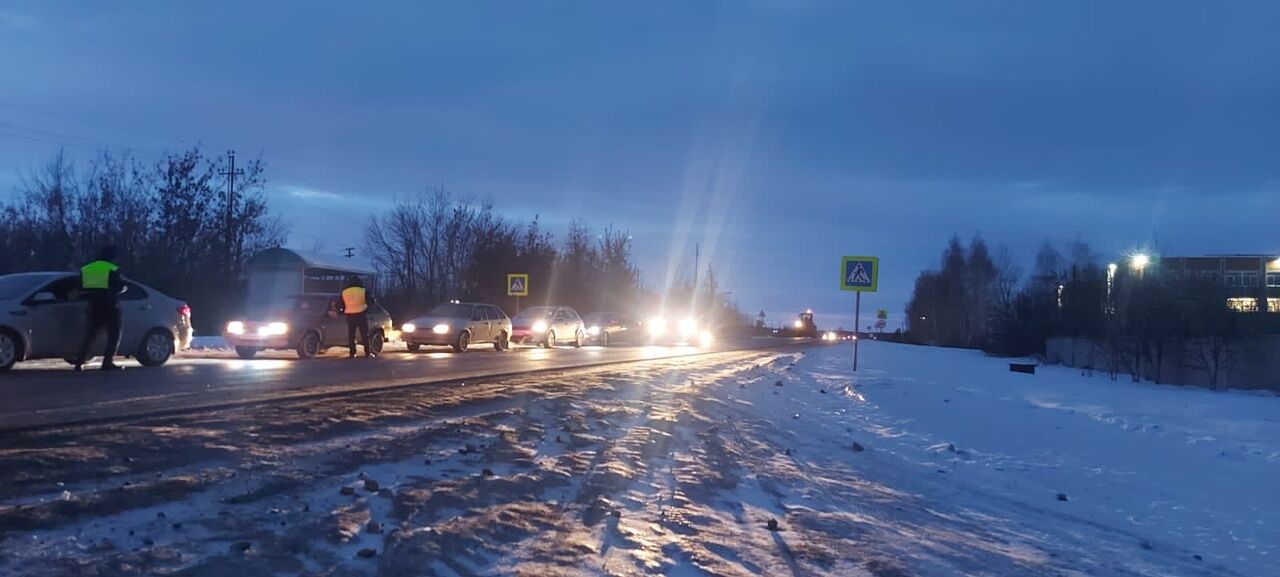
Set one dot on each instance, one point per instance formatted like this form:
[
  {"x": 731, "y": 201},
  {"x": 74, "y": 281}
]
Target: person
[
  {"x": 355, "y": 306},
  {"x": 100, "y": 287}
]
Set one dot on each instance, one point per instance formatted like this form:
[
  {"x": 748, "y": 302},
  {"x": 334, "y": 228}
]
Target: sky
[{"x": 776, "y": 136}]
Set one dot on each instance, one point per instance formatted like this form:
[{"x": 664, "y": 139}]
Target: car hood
[{"x": 431, "y": 321}]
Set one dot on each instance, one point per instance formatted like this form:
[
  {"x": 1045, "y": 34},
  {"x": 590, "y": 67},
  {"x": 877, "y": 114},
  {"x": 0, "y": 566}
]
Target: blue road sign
[{"x": 859, "y": 273}]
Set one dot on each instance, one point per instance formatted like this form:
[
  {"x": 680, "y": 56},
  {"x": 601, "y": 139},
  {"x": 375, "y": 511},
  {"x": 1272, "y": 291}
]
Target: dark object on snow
[
  {"x": 951, "y": 447},
  {"x": 1026, "y": 368},
  {"x": 1197, "y": 557},
  {"x": 148, "y": 542},
  {"x": 177, "y": 526},
  {"x": 772, "y": 524},
  {"x": 371, "y": 486},
  {"x": 823, "y": 391},
  {"x": 487, "y": 472},
  {"x": 857, "y": 447},
  {"x": 778, "y": 383},
  {"x": 386, "y": 493},
  {"x": 367, "y": 553},
  {"x": 241, "y": 546},
  {"x": 348, "y": 491},
  {"x": 1062, "y": 496},
  {"x": 558, "y": 439},
  {"x": 788, "y": 452},
  {"x": 1145, "y": 544},
  {"x": 617, "y": 514},
  {"x": 373, "y": 527},
  {"x": 161, "y": 515}
]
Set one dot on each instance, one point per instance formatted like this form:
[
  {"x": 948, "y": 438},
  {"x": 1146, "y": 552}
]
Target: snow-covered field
[{"x": 927, "y": 462}]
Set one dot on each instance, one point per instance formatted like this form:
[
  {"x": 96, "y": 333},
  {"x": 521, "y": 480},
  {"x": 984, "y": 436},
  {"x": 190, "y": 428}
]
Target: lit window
[
  {"x": 1243, "y": 305},
  {"x": 1273, "y": 279},
  {"x": 1273, "y": 305}
]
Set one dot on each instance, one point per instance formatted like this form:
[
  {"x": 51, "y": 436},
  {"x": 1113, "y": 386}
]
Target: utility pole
[
  {"x": 231, "y": 173},
  {"x": 697, "y": 252},
  {"x": 351, "y": 251}
]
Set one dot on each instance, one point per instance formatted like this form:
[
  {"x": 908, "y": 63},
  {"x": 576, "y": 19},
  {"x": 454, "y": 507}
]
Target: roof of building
[{"x": 285, "y": 256}]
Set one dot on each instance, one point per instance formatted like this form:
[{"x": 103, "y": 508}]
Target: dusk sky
[{"x": 778, "y": 135}]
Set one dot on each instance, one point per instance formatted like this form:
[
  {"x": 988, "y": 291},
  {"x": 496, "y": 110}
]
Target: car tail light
[{"x": 184, "y": 309}]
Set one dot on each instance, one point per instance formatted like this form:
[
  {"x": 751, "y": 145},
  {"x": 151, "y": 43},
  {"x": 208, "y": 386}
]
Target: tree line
[
  {"x": 173, "y": 223},
  {"x": 436, "y": 246},
  {"x": 1136, "y": 318}
]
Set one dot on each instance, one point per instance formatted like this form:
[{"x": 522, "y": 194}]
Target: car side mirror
[{"x": 43, "y": 298}]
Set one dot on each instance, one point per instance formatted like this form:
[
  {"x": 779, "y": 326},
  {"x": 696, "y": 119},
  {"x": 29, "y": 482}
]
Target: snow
[{"x": 677, "y": 467}]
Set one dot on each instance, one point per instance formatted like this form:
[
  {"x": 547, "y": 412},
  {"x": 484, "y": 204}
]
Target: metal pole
[{"x": 857, "y": 310}]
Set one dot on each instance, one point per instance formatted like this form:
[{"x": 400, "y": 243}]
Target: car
[
  {"x": 306, "y": 323},
  {"x": 45, "y": 318},
  {"x": 548, "y": 326},
  {"x": 609, "y": 328},
  {"x": 678, "y": 328},
  {"x": 459, "y": 325}
]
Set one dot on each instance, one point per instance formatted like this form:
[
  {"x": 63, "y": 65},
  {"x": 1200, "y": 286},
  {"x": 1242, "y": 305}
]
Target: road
[{"x": 48, "y": 393}]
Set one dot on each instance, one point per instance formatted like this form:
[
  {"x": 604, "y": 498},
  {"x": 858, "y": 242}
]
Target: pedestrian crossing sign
[
  {"x": 518, "y": 285},
  {"x": 859, "y": 273}
]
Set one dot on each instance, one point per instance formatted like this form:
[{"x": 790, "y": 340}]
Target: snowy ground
[{"x": 672, "y": 467}]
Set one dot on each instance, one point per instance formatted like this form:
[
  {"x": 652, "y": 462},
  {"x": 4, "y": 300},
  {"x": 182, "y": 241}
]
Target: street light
[
  {"x": 1140, "y": 261},
  {"x": 1111, "y": 281}
]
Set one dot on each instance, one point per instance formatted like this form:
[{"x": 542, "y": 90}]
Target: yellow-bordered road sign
[
  {"x": 859, "y": 273},
  {"x": 518, "y": 285}
]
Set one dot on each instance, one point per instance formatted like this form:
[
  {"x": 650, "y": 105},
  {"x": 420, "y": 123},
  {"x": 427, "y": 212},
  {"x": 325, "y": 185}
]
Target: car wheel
[
  {"x": 550, "y": 342},
  {"x": 577, "y": 340},
  {"x": 376, "y": 340},
  {"x": 246, "y": 352},
  {"x": 155, "y": 349},
  {"x": 309, "y": 345},
  {"x": 10, "y": 350},
  {"x": 501, "y": 343},
  {"x": 460, "y": 345},
  {"x": 413, "y": 347}
]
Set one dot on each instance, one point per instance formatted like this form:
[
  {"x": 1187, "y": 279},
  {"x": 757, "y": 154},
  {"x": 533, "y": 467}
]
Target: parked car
[
  {"x": 611, "y": 328},
  {"x": 548, "y": 326},
  {"x": 306, "y": 323},
  {"x": 43, "y": 318},
  {"x": 459, "y": 325}
]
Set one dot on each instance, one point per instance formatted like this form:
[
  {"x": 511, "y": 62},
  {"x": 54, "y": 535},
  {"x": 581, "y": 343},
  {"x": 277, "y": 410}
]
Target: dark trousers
[
  {"x": 358, "y": 321},
  {"x": 102, "y": 316}
]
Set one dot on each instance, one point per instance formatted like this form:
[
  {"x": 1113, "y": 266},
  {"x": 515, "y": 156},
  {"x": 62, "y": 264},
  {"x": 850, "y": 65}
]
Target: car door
[
  {"x": 500, "y": 322},
  {"x": 565, "y": 328},
  {"x": 137, "y": 316},
  {"x": 58, "y": 320},
  {"x": 334, "y": 326}
]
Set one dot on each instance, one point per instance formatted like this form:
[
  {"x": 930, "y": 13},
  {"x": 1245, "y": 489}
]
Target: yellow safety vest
[
  {"x": 353, "y": 300},
  {"x": 97, "y": 275}
]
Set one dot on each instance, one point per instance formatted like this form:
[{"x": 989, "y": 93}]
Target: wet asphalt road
[{"x": 45, "y": 393}]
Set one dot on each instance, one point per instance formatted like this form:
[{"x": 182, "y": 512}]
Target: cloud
[{"x": 16, "y": 20}]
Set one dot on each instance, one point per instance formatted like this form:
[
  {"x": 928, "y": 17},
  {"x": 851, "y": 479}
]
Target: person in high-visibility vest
[
  {"x": 355, "y": 306},
  {"x": 100, "y": 287}
]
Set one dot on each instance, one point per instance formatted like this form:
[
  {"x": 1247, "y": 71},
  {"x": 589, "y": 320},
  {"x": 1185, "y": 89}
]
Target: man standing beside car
[
  {"x": 100, "y": 286},
  {"x": 355, "y": 307}
]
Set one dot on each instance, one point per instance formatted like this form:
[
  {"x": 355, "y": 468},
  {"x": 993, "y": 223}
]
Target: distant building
[{"x": 1252, "y": 281}]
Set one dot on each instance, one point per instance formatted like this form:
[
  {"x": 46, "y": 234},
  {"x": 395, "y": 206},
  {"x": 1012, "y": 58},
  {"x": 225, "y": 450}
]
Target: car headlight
[
  {"x": 705, "y": 339},
  {"x": 593, "y": 330},
  {"x": 657, "y": 327},
  {"x": 235, "y": 328},
  {"x": 688, "y": 327},
  {"x": 275, "y": 329},
  {"x": 798, "y": 324},
  {"x": 408, "y": 328},
  {"x": 440, "y": 329},
  {"x": 540, "y": 326}
]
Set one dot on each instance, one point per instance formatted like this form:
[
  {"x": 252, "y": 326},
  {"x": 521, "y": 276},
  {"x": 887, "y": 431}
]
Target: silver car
[
  {"x": 459, "y": 325},
  {"x": 41, "y": 317},
  {"x": 548, "y": 327}
]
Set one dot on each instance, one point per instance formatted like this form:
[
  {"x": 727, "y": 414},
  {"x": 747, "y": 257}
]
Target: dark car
[
  {"x": 608, "y": 328},
  {"x": 548, "y": 326},
  {"x": 308, "y": 324}
]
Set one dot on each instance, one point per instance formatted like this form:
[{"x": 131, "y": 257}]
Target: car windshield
[
  {"x": 533, "y": 314},
  {"x": 18, "y": 285},
  {"x": 451, "y": 310}
]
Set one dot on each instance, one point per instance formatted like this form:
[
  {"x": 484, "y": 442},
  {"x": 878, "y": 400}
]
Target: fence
[{"x": 1247, "y": 363}]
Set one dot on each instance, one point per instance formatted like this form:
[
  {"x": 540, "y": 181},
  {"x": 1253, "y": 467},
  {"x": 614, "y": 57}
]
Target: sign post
[
  {"x": 860, "y": 274},
  {"x": 518, "y": 286}
]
